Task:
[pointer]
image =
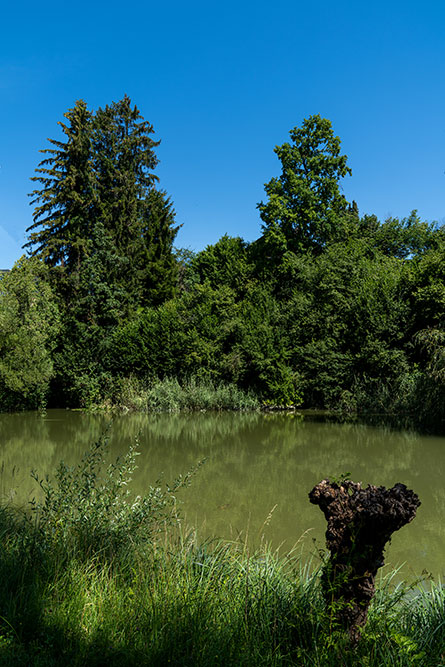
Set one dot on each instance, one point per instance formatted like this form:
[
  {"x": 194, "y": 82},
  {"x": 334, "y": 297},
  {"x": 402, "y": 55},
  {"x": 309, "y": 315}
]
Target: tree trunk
[{"x": 360, "y": 523}]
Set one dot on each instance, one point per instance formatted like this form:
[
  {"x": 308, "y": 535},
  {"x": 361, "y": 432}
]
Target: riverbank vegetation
[
  {"x": 94, "y": 576},
  {"x": 168, "y": 395},
  {"x": 329, "y": 308}
]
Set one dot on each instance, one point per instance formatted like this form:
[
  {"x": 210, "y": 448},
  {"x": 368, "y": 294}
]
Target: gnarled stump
[{"x": 360, "y": 523}]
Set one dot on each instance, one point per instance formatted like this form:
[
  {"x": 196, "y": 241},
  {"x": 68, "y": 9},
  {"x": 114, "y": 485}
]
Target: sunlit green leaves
[{"x": 29, "y": 324}]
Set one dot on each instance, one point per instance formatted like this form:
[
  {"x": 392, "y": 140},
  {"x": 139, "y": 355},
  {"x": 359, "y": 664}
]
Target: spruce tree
[
  {"x": 124, "y": 157},
  {"x": 66, "y": 198},
  {"x": 99, "y": 220},
  {"x": 139, "y": 217},
  {"x": 158, "y": 267}
]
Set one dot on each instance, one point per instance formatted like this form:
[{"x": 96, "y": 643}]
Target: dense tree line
[{"x": 326, "y": 309}]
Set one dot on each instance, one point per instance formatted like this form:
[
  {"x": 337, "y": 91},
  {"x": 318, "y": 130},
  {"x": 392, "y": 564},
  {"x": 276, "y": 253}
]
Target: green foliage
[
  {"x": 214, "y": 336},
  {"x": 324, "y": 310},
  {"x": 157, "y": 265},
  {"x": 99, "y": 219},
  {"x": 347, "y": 317},
  {"x": 186, "y": 275},
  {"x": 82, "y": 378},
  {"x": 89, "y": 511},
  {"x": 29, "y": 324},
  {"x": 227, "y": 262},
  {"x": 429, "y": 289},
  {"x": 65, "y": 193},
  {"x": 305, "y": 208},
  {"x": 177, "y": 339},
  {"x": 105, "y": 232},
  {"x": 150, "y": 344},
  {"x": 399, "y": 238},
  {"x": 433, "y": 341},
  {"x": 264, "y": 349}
]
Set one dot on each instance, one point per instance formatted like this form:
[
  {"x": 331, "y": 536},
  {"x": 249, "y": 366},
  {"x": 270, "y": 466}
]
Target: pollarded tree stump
[{"x": 360, "y": 523}]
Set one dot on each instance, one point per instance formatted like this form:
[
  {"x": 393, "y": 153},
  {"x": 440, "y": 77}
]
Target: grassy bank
[{"x": 92, "y": 576}]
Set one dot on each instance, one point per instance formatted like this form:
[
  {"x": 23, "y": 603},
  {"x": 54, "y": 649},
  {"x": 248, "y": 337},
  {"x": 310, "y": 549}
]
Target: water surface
[{"x": 256, "y": 464}]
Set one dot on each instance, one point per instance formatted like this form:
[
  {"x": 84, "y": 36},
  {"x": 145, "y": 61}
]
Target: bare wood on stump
[{"x": 360, "y": 523}]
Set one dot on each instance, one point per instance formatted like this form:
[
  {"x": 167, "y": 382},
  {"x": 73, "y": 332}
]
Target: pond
[{"x": 259, "y": 469}]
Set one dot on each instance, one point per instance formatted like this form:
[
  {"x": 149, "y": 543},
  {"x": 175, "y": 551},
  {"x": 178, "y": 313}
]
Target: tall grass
[
  {"x": 92, "y": 576},
  {"x": 169, "y": 395}
]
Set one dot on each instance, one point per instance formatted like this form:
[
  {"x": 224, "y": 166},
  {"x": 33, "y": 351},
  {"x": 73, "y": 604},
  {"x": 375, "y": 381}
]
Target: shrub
[{"x": 89, "y": 511}]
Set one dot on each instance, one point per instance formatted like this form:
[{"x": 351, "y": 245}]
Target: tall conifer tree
[
  {"x": 99, "y": 218},
  {"x": 158, "y": 266},
  {"x": 65, "y": 199}
]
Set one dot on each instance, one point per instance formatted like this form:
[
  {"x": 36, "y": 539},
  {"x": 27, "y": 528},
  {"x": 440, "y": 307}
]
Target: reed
[{"x": 169, "y": 395}]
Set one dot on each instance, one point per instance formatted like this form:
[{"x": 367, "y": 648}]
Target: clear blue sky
[{"x": 222, "y": 84}]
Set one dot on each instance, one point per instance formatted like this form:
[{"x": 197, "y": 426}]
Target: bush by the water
[
  {"x": 89, "y": 511},
  {"x": 92, "y": 576}
]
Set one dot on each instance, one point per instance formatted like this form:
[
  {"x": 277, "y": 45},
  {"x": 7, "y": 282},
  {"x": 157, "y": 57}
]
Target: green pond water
[{"x": 255, "y": 464}]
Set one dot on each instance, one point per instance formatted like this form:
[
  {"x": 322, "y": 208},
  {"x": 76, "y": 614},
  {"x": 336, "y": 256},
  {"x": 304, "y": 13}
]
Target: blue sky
[{"x": 222, "y": 84}]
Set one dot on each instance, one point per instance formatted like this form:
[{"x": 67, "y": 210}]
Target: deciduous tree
[
  {"x": 305, "y": 208},
  {"x": 29, "y": 324}
]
